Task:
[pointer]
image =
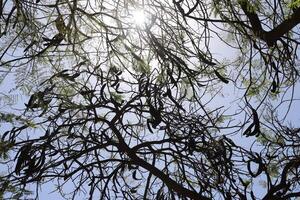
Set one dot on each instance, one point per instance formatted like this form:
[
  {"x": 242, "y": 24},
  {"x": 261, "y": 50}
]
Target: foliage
[
  {"x": 126, "y": 110},
  {"x": 294, "y": 4}
]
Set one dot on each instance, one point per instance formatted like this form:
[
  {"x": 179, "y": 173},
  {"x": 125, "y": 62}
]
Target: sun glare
[{"x": 138, "y": 17}]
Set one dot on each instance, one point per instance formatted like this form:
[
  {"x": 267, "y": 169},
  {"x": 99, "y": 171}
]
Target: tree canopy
[{"x": 151, "y": 99}]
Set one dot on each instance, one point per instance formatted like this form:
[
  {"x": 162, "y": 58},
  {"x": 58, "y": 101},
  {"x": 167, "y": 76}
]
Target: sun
[{"x": 138, "y": 17}]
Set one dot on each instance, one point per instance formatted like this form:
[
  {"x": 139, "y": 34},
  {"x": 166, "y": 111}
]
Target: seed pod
[{"x": 223, "y": 79}]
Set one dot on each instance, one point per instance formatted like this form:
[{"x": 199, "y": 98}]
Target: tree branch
[
  {"x": 270, "y": 37},
  {"x": 173, "y": 185}
]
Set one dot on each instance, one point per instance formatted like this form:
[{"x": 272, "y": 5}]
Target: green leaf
[{"x": 294, "y": 4}]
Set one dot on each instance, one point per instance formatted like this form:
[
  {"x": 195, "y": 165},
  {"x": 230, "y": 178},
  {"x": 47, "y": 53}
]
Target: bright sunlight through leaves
[{"x": 138, "y": 17}]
